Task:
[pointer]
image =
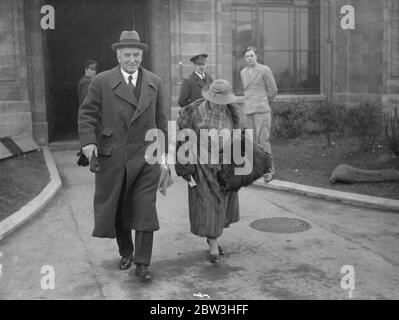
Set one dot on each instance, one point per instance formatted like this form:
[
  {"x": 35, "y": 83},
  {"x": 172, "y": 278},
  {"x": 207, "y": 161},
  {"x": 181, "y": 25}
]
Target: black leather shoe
[
  {"x": 126, "y": 262},
  {"x": 143, "y": 271}
]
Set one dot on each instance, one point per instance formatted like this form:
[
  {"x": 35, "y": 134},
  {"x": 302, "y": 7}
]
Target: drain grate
[{"x": 280, "y": 225}]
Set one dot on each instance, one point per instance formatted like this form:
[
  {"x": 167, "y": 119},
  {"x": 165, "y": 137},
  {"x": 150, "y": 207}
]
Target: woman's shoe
[
  {"x": 221, "y": 251},
  {"x": 214, "y": 258}
]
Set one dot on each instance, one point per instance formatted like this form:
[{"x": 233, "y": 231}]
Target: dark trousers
[{"x": 143, "y": 239}]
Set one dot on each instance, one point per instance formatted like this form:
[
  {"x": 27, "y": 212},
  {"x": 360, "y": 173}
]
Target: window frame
[{"x": 256, "y": 9}]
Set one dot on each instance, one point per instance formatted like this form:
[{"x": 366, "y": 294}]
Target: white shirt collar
[
  {"x": 202, "y": 76},
  {"x": 126, "y": 76}
]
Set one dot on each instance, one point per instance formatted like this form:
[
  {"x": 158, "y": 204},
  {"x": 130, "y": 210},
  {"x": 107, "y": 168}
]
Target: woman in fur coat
[{"x": 211, "y": 208}]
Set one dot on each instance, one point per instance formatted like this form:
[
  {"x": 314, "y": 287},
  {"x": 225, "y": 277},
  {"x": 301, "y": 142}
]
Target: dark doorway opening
[{"x": 84, "y": 29}]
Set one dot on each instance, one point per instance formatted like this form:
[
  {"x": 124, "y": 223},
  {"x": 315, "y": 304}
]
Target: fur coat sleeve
[{"x": 261, "y": 164}]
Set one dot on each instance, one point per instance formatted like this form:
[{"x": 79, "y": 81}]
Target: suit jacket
[
  {"x": 191, "y": 88},
  {"x": 259, "y": 88},
  {"x": 112, "y": 117}
]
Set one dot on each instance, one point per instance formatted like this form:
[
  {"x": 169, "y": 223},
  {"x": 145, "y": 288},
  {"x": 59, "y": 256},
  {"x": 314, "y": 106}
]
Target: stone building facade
[{"x": 302, "y": 40}]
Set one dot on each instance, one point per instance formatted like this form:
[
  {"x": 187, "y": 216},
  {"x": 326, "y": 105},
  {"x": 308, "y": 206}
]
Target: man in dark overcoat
[
  {"x": 193, "y": 85},
  {"x": 91, "y": 67},
  {"x": 122, "y": 104}
]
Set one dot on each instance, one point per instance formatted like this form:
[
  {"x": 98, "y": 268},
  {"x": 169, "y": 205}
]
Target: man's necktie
[{"x": 131, "y": 85}]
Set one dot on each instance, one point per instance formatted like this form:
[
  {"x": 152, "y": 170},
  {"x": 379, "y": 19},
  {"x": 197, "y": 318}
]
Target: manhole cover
[{"x": 281, "y": 225}]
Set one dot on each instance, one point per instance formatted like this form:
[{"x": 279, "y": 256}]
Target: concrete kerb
[
  {"x": 333, "y": 195},
  {"x": 27, "y": 212}
]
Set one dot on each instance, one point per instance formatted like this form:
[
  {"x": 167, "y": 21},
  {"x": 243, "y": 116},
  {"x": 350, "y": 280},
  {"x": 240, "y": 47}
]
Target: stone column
[
  {"x": 15, "y": 114},
  {"x": 198, "y": 26},
  {"x": 359, "y": 63},
  {"x": 160, "y": 44},
  {"x": 192, "y": 25},
  {"x": 36, "y": 72},
  {"x": 391, "y": 52},
  {"x": 328, "y": 20}
]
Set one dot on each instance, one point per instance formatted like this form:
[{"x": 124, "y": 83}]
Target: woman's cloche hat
[{"x": 219, "y": 92}]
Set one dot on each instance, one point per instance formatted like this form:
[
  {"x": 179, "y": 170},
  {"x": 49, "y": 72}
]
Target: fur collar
[{"x": 189, "y": 115}]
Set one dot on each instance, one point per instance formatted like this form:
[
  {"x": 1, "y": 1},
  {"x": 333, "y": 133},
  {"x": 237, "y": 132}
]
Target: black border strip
[{"x": 11, "y": 146}]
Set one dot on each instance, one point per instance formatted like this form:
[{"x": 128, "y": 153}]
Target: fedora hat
[
  {"x": 219, "y": 92},
  {"x": 129, "y": 39}
]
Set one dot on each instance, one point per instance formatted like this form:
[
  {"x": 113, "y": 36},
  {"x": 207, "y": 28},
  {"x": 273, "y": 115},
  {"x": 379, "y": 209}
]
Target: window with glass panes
[{"x": 286, "y": 34}]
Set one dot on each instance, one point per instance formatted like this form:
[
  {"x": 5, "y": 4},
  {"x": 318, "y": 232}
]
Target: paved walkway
[{"x": 257, "y": 265}]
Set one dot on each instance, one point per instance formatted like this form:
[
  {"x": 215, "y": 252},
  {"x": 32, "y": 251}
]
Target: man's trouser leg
[
  {"x": 260, "y": 123},
  {"x": 143, "y": 239},
  {"x": 143, "y": 242},
  {"x": 123, "y": 236}
]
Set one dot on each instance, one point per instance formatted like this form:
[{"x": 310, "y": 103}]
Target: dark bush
[
  {"x": 391, "y": 129},
  {"x": 289, "y": 120},
  {"x": 365, "y": 122},
  {"x": 331, "y": 118}
]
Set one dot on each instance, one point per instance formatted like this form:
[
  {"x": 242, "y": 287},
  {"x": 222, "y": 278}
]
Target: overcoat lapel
[
  {"x": 121, "y": 89},
  {"x": 147, "y": 93}
]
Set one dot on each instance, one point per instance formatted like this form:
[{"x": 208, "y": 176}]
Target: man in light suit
[
  {"x": 122, "y": 104},
  {"x": 259, "y": 89},
  {"x": 193, "y": 85}
]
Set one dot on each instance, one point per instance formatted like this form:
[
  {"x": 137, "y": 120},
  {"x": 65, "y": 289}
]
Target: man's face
[
  {"x": 200, "y": 67},
  {"x": 130, "y": 59},
  {"x": 91, "y": 70},
  {"x": 251, "y": 58}
]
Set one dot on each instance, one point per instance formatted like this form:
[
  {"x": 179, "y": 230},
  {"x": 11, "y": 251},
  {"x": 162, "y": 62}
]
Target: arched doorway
[{"x": 84, "y": 29}]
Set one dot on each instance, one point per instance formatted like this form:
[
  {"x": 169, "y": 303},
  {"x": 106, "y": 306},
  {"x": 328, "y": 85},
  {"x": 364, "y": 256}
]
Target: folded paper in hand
[
  {"x": 192, "y": 183},
  {"x": 165, "y": 180}
]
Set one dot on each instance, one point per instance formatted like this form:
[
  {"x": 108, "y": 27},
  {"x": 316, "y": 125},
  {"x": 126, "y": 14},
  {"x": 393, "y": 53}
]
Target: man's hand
[{"x": 88, "y": 151}]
